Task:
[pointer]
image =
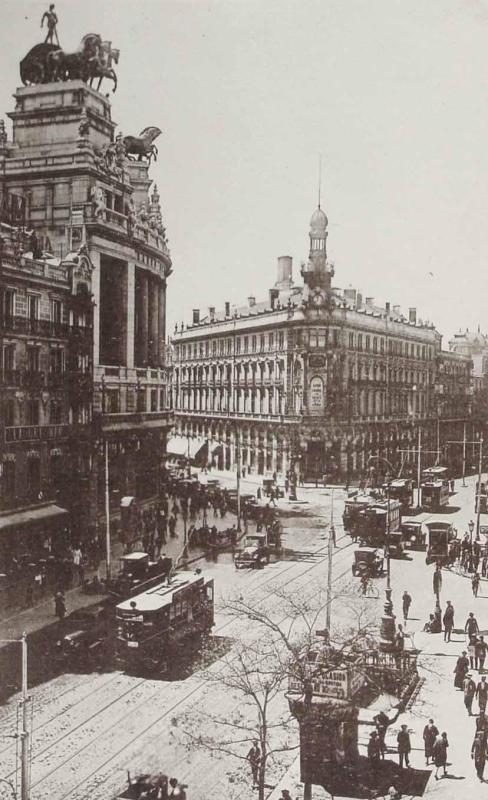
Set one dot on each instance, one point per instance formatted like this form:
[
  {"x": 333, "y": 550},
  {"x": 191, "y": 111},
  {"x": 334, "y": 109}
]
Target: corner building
[
  {"x": 81, "y": 193},
  {"x": 314, "y": 379}
]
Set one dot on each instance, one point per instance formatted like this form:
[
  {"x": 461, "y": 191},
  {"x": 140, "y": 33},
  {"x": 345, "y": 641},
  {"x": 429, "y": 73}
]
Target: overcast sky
[{"x": 392, "y": 93}]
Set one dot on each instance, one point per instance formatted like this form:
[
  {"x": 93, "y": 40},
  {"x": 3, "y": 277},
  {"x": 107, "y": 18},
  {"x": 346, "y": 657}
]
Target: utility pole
[
  {"x": 419, "y": 465},
  {"x": 24, "y": 735},
  {"x": 238, "y": 454},
  {"x": 107, "y": 512},
  {"x": 478, "y": 499},
  {"x": 464, "y": 454},
  {"x": 330, "y": 553}
]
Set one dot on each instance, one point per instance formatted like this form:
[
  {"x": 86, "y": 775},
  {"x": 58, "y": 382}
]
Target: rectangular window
[
  {"x": 245, "y": 344},
  {"x": 366, "y": 344},
  {"x": 9, "y": 307},
  {"x": 360, "y": 341},
  {"x": 33, "y": 359},
  {"x": 261, "y": 342},
  {"x": 254, "y": 343},
  {"x": 32, "y": 411},
  {"x": 9, "y": 479},
  {"x": 55, "y": 412},
  {"x": 281, "y": 340},
  {"x": 112, "y": 401},
  {"x": 238, "y": 344},
  {"x": 56, "y": 361},
  {"x": 9, "y": 412},
  {"x": 154, "y": 399},
  {"x": 9, "y": 358},
  {"x": 375, "y": 344},
  {"x": 56, "y": 311},
  {"x": 271, "y": 341},
  {"x": 33, "y": 308}
]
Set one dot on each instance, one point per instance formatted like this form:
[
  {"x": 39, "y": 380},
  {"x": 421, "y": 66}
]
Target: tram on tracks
[
  {"x": 435, "y": 488},
  {"x": 377, "y": 520},
  {"x": 159, "y": 628},
  {"x": 440, "y": 536}
]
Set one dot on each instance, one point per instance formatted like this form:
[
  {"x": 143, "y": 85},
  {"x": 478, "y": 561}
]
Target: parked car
[
  {"x": 255, "y": 552},
  {"x": 87, "y": 638}
]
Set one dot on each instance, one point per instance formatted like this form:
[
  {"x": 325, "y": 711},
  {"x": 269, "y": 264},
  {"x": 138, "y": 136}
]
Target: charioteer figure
[{"x": 52, "y": 20}]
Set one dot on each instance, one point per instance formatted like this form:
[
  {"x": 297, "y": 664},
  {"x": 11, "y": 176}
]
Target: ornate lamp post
[{"x": 388, "y": 619}]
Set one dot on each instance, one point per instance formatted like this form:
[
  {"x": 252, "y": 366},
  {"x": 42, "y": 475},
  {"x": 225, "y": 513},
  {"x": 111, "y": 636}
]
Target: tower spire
[{"x": 320, "y": 176}]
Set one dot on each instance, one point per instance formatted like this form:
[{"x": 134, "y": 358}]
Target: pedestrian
[
  {"x": 482, "y": 724},
  {"x": 437, "y": 581},
  {"x": 475, "y": 584},
  {"x": 374, "y": 749},
  {"x": 400, "y": 640},
  {"x": 29, "y": 593},
  {"x": 481, "y": 648},
  {"x": 471, "y": 628},
  {"x": 448, "y": 621},
  {"x": 482, "y": 694},
  {"x": 404, "y": 746},
  {"x": 381, "y": 721},
  {"x": 176, "y": 789},
  {"x": 285, "y": 795},
  {"x": 469, "y": 690},
  {"x": 440, "y": 754},
  {"x": 478, "y": 754},
  {"x": 473, "y": 660},
  {"x": 430, "y": 734},
  {"x": 460, "y": 670},
  {"x": 254, "y": 758},
  {"x": 406, "y": 603},
  {"x": 59, "y": 606}
]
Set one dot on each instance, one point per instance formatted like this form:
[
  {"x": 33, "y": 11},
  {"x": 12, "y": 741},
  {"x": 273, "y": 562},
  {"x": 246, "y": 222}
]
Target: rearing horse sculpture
[
  {"x": 101, "y": 65},
  {"x": 68, "y": 66},
  {"x": 142, "y": 145}
]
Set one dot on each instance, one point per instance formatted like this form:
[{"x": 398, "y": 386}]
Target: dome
[{"x": 318, "y": 223}]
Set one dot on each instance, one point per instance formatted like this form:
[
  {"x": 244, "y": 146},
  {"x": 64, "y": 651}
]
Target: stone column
[
  {"x": 95, "y": 282},
  {"x": 131, "y": 278},
  {"x": 274, "y": 448},
  {"x": 144, "y": 319},
  {"x": 154, "y": 322},
  {"x": 162, "y": 321}
]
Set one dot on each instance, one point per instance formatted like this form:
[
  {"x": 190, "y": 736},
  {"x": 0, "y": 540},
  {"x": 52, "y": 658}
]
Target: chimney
[
  {"x": 285, "y": 269},
  {"x": 211, "y": 312},
  {"x": 387, "y": 307},
  {"x": 273, "y": 297},
  {"x": 369, "y": 301},
  {"x": 251, "y": 300},
  {"x": 196, "y": 316},
  {"x": 412, "y": 315},
  {"x": 227, "y": 308},
  {"x": 359, "y": 300}
]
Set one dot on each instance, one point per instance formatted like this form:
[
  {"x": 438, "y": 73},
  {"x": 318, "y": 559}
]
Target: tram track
[
  {"x": 189, "y": 695},
  {"x": 257, "y": 582}
]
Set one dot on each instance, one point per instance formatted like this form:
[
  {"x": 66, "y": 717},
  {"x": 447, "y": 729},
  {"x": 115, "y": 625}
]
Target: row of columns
[{"x": 150, "y": 322}]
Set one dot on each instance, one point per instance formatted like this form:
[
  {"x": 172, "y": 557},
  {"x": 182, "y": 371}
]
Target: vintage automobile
[
  {"x": 414, "y": 536},
  {"x": 153, "y": 786},
  {"x": 221, "y": 540},
  {"x": 137, "y": 573},
  {"x": 255, "y": 553},
  {"x": 367, "y": 561},
  {"x": 396, "y": 543},
  {"x": 270, "y": 485},
  {"x": 86, "y": 640}
]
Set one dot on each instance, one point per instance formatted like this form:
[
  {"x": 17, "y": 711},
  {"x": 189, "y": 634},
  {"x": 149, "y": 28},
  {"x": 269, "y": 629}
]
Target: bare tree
[{"x": 275, "y": 644}]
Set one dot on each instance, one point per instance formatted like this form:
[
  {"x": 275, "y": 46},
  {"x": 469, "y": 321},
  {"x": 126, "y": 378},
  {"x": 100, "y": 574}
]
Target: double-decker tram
[
  {"x": 435, "y": 488},
  {"x": 401, "y": 489},
  {"x": 158, "y": 629}
]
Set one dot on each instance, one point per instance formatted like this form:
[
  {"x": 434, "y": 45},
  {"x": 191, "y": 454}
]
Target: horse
[
  {"x": 101, "y": 67},
  {"x": 142, "y": 145},
  {"x": 68, "y": 66}
]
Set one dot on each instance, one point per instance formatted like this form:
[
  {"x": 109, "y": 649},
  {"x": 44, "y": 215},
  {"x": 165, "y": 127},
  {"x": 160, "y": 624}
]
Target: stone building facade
[
  {"x": 315, "y": 379},
  {"x": 75, "y": 184}
]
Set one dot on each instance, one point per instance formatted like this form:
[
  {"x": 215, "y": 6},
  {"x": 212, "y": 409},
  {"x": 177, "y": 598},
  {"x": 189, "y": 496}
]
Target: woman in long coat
[
  {"x": 430, "y": 735},
  {"x": 460, "y": 670},
  {"x": 440, "y": 753}
]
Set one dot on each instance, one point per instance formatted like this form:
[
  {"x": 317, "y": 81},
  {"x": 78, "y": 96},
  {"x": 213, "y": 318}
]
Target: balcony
[
  {"x": 126, "y": 421},
  {"x": 38, "y": 327},
  {"x": 11, "y": 377},
  {"x": 36, "y": 433}
]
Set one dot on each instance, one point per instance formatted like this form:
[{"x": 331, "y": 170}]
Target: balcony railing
[
  {"x": 41, "y": 327},
  {"x": 36, "y": 433}
]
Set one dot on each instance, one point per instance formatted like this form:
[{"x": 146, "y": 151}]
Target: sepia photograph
[{"x": 243, "y": 399}]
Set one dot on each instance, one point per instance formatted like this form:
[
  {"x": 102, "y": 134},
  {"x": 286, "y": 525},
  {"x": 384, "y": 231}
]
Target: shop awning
[
  {"x": 32, "y": 516},
  {"x": 181, "y": 446}
]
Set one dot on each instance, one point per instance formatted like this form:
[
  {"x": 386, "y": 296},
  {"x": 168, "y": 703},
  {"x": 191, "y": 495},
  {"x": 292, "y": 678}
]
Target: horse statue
[
  {"x": 101, "y": 67},
  {"x": 64, "y": 66},
  {"x": 142, "y": 145}
]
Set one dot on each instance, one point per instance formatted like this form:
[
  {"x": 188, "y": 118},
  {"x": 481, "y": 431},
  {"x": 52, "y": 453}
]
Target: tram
[
  {"x": 441, "y": 534},
  {"x": 156, "y": 629},
  {"x": 352, "y": 511},
  {"x": 435, "y": 490},
  {"x": 376, "y": 520},
  {"x": 401, "y": 489}
]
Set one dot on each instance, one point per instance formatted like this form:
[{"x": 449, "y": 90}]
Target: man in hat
[
  {"x": 460, "y": 670},
  {"x": 448, "y": 621},
  {"x": 482, "y": 694},
  {"x": 404, "y": 746},
  {"x": 469, "y": 690}
]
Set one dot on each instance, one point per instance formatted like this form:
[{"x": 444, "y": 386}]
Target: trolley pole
[
  {"x": 238, "y": 454},
  {"x": 107, "y": 512}
]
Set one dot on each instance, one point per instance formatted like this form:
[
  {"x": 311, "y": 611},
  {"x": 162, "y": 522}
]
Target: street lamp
[{"x": 388, "y": 618}]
